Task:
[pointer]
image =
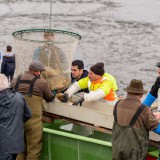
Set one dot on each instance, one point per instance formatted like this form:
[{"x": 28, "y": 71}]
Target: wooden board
[{"x": 96, "y": 113}]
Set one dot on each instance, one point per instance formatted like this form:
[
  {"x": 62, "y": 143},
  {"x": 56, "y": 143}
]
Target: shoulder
[
  {"x": 85, "y": 74},
  {"x": 42, "y": 82}
]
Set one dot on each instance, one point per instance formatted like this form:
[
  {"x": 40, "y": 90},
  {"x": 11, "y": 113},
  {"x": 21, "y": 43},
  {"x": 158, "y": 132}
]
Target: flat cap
[{"x": 36, "y": 66}]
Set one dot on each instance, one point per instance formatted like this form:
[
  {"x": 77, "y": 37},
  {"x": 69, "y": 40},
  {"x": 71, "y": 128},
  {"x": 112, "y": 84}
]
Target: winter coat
[
  {"x": 85, "y": 74},
  {"x": 14, "y": 111},
  {"x": 8, "y": 65}
]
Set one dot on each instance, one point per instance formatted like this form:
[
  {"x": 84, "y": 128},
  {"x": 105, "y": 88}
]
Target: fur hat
[
  {"x": 135, "y": 86},
  {"x": 36, "y": 66},
  {"x": 98, "y": 69}
]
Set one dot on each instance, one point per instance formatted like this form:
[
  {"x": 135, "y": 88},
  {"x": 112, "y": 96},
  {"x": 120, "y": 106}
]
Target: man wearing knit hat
[{"x": 101, "y": 85}]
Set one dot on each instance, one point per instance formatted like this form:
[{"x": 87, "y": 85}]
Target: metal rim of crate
[{"x": 21, "y": 32}]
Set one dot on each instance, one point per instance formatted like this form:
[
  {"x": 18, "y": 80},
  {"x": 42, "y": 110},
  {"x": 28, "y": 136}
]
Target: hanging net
[{"x": 54, "y": 48}]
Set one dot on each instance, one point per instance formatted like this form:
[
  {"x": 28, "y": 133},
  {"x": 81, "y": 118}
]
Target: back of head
[
  {"x": 98, "y": 69},
  {"x": 135, "y": 87},
  {"x": 3, "y": 82},
  {"x": 9, "y": 48},
  {"x": 48, "y": 33},
  {"x": 78, "y": 63},
  {"x": 36, "y": 66}
]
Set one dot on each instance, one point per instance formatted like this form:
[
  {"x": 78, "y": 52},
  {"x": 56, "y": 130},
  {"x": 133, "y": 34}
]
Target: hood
[
  {"x": 85, "y": 74},
  {"x": 9, "y": 54},
  {"x": 9, "y": 58},
  {"x": 7, "y": 100}
]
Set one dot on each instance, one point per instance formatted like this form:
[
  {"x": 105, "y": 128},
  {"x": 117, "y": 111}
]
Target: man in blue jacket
[
  {"x": 14, "y": 111},
  {"x": 153, "y": 94}
]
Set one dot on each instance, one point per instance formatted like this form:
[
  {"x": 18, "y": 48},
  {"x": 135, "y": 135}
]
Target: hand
[
  {"x": 65, "y": 98},
  {"x": 157, "y": 115},
  {"x": 62, "y": 97},
  {"x": 79, "y": 101}
]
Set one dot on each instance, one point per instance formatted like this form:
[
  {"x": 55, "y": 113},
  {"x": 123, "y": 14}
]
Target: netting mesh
[{"x": 54, "y": 48}]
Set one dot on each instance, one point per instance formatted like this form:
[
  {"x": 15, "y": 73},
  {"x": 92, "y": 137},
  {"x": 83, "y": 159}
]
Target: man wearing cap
[
  {"x": 132, "y": 123},
  {"x": 101, "y": 85},
  {"x": 34, "y": 90}
]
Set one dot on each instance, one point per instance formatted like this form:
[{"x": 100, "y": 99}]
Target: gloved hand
[
  {"x": 79, "y": 101},
  {"x": 63, "y": 97}
]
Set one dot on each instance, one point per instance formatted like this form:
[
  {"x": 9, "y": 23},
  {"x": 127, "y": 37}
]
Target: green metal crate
[{"x": 76, "y": 143}]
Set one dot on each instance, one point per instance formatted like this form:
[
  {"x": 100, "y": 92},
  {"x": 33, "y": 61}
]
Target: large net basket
[{"x": 54, "y": 48}]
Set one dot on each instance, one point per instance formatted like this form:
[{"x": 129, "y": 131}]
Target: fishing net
[{"x": 54, "y": 48}]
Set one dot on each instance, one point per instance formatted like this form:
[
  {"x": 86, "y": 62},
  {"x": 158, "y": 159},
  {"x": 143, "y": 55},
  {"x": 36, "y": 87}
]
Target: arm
[
  {"x": 149, "y": 100},
  {"x": 153, "y": 94},
  {"x": 103, "y": 90},
  {"x": 47, "y": 94},
  {"x": 3, "y": 66},
  {"x": 157, "y": 130},
  {"x": 72, "y": 89}
]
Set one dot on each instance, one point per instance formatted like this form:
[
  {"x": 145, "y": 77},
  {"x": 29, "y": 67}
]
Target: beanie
[{"x": 98, "y": 69}]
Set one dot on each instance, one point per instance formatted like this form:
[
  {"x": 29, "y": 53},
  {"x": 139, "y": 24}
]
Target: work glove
[
  {"x": 79, "y": 101},
  {"x": 63, "y": 97}
]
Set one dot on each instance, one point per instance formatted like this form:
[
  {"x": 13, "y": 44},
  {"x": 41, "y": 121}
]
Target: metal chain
[{"x": 50, "y": 17}]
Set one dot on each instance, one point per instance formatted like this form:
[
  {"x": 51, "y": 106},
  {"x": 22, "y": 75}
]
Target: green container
[
  {"x": 64, "y": 141},
  {"x": 153, "y": 152}
]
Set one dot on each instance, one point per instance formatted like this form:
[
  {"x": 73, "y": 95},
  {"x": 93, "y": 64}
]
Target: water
[{"x": 122, "y": 34}]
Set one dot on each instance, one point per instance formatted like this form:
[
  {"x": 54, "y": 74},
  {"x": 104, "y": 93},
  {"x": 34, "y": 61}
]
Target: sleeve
[
  {"x": 47, "y": 94},
  {"x": 94, "y": 95},
  {"x": 155, "y": 87},
  {"x": 106, "y": 86},
  {"x": 3, "y": 66},
  {"x": 157, "y": 130},
  {"x": 72, "y": 89},
  {"x": 83, "y": 83},
  {"x": 150, "y": 121},
  {"x": 103, "y": 89},
  {"x": 149, "y": 100}
]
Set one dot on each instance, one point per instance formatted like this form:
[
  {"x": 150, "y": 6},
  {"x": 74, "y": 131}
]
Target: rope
[
  {"x": 70, "y": 23},
  {"x": 50, "y": 17}
]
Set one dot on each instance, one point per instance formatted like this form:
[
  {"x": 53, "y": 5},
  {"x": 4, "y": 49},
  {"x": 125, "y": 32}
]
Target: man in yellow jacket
[{"x": 101, "y": 85}]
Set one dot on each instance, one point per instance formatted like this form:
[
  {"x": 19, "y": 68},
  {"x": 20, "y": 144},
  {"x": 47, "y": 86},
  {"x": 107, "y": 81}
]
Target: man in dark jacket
[
  {"x": 78, "y": 72},
  {"x": 34, "y": 90},
  {"x": 8, "y": 64},
  {"x": 14, "y": 111}
]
